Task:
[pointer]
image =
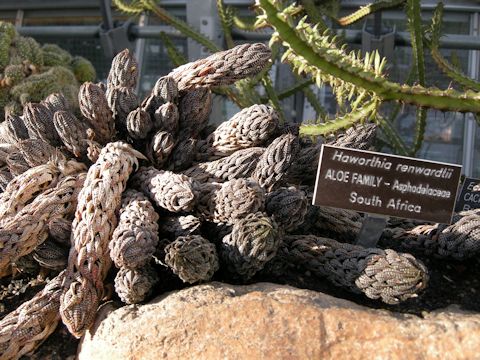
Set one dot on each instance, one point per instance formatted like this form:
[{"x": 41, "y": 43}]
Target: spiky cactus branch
[
  {"x": 226, "y": 20},
  {"x": 414, "y": 23},
  {"x": 363, "y": 113},
  {"x": 337, "y": 65},
  {"x": 367, "y": 10},
  {"x": 272, "y": 95},
  {"x": 314, "y": 14},
  {"x": 244, "y": 24},
  {"x": 175, "y": 56},
  {"x": 442, "y": 63}
]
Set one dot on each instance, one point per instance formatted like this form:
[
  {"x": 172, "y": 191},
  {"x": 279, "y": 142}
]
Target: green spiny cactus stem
[
  {"x": 314, "y": 14},
  {"x": 4, "y": 98},
  {"x": 244, "y": 24},
  {"x": 13, "y": 74},
  {"x": 442, "y": 63},
  {"x": 8, "y": 29},
  {"x": 136, "y": 7},
  {"x": 394, "y": 139},
  {"x": 371, "y": 65},
  {"x": 25, "y": 50},
  {"x": 226, "y": 20},
  {"x": 272, "y": 95},
  {"x": 367, "y": 10},
  {"x": 36, "y": 53},
  {"x": 338, "y": 67},
  {"x": 37, "y": 87},
  {"x": 174, "y": 55},
  {"x": 25, "y": 77},
  {"x": 54, "y": 55},
  {"x": 339, "y": 123},
  {"x": 83, "y": 69},
  {"x": 4, "y": 46},
  {"x": 414, "y": 23},
  {"x": 311, "y": 98}
]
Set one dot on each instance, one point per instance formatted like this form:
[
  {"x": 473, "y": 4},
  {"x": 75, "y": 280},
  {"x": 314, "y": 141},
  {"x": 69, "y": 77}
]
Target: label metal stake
[{"x": 371, "y": 230}]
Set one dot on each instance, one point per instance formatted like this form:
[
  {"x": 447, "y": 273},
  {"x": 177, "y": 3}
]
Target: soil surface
[{"x": 451, "y": 283}]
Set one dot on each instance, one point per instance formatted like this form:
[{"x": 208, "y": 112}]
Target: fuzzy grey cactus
[
  {"x": 287, "y": 206},
  {"x": 173, "y": 192},
  {"x": 223, "y": 68},
  {"x": 159, "y": 148},
  {"x": 275, "y": 161},
  {"x": 139, "y": 124},
  {"x": 379, "y": 274},
  {"x": 194, "y": 108},
  {"x": 254, "y": 240},
  {"x": 124, "y": 71},
  {"x": 230, "y": 201},
  {"x": 136, "y": 235},
  {"x": 240, "y": 164},
  {"x": 134, "y": 285},
  {"x": 250, "y": 127},
  {"x": 94, "y": 106},
  {"x": 192, "y": 258}
]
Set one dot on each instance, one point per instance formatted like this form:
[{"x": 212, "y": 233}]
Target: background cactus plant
[{"x": 30, "y": 72}]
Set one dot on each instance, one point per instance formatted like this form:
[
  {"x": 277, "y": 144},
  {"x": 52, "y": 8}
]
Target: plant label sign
[
  {"x": 385, "y": 184},
  {"x": 469, "y": 196}
]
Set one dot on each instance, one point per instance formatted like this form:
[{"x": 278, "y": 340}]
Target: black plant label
[
  {"x": 469, "y": 195},
  {"x": 385, "y": 184}
]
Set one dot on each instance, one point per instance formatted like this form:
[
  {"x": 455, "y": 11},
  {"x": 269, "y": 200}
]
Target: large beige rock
[{"x": 220, "y": 321}]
